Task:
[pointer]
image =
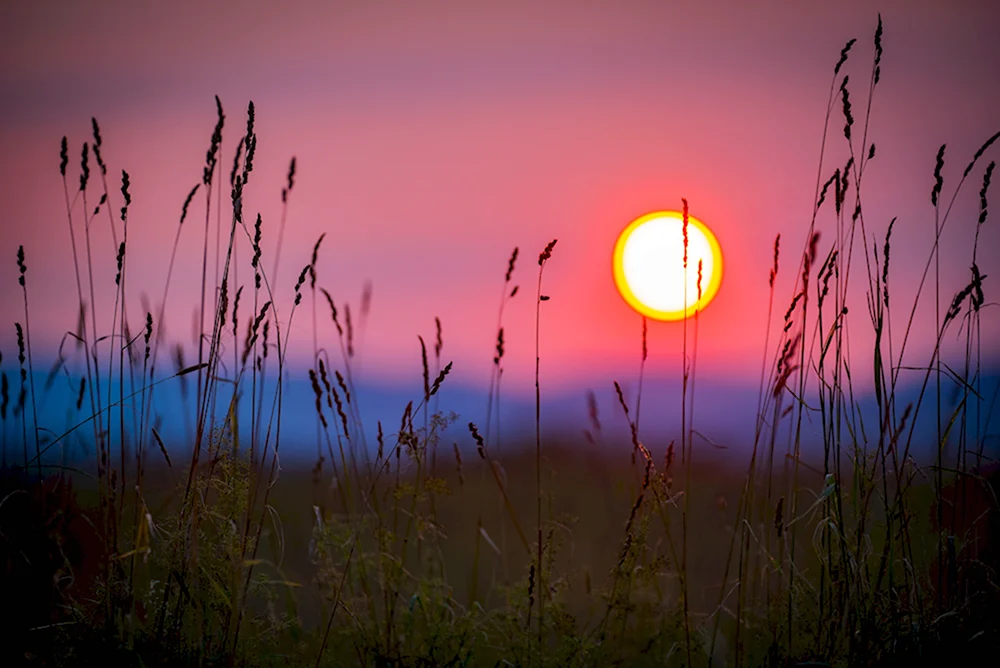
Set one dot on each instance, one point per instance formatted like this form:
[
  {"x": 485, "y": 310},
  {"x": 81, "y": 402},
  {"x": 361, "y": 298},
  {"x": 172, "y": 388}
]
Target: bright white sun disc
[{"x": 649, "y": 270}]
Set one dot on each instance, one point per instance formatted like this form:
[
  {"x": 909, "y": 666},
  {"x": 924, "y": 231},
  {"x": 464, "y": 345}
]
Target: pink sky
[{"x": 431, "y": 138}]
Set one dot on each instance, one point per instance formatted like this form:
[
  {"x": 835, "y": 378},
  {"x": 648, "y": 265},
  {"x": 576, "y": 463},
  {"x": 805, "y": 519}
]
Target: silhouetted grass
[{"x": 380, "y": 555}]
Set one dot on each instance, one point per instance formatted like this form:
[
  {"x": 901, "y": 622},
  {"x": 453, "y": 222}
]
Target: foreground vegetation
[{"x": 410, "y": 550}]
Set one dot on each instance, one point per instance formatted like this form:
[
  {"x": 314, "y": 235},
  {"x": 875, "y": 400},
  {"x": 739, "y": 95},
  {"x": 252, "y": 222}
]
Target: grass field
[{"x": 592, "y": 550}]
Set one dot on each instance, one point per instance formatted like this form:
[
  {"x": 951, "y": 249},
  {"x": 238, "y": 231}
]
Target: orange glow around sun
[{"x": 648, "y": 265}]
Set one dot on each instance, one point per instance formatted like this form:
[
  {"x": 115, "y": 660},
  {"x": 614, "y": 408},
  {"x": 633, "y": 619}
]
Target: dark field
[{"x": 461, "y": 581}]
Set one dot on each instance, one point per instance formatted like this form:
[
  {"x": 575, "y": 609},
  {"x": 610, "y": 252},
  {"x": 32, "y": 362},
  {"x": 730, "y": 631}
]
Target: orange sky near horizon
[{"x": 430, "y": 141}]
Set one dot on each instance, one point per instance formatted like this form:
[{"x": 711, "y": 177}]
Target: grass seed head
[
  {"x": 100, "y": 160},
  {"x": 440, "y": 379},
  {"x": 340, "y": 412},
  {"x": 499, "y": 348},
  {"x": 250, "y": 140},
  {"x": 312, "y": 262},
  {"x": 843, "y": 56},
  {"x": 621, "y": 398},
  {"x": 96, "y": 131},
  {"x": 298, "y": 284},
  {"x": 458, "y": 464},
  {"x": 125, "y": 194},
  {"x": 63, "y": 156},
  {"x": 480, "y": 443},
  {"x": 323, "y": 375},
  {"x": 187, "y": 203},
  {"x": 148, "y": 332},
  {"x": 684, "y": 230},
  {"x": 845, "y": 180},
  {"x": 987, "y": 177},
  {"x": 350, "y": 330},
  {"x": 426, "y": 369},
  {"x": 20, "y": 347},
  {"x": 826, "y": 273},
  {"x": 846, "y": 100},
  {"x": 84, "y": 167},
  {"x": 212, "y": 155},
  {"x": 885, "y": 263},
  {"x": 878, "y": 50},
  {"x": 236, "y": 162},
  {"x": 380, "y": 437},
  {"x": 531, "y": 588},
  {"x": 342, "y": 385},
  {"x": 21, "y": 266},
  {"x": 291, "y": 182},
  {"x": 510, "y": 265},
  {"x": 938, "y": 179},
  {"x": 699, "y": 278},
  {"x": 407, "y": 417},
  {"x": 333, "y": 311},
  {"x": 366, "y": 299},
  {"x": 236, "y": 309},
  {"x": 163, "y": 448},
  {"x": 547, "y": 253},
  {"x": 834, "y": 179},
  {"x": 318, "y": 394},
  {"x": 121, "y": 259},
  {"x": 645, "y": 347},
  {"x": 774, "y": 268},
  {"x": 979, "y": 153},
  {"x": 438, "y": 341},
  {"x": 977, "y": 287},
  {"x": 223, "y": 302},
  {"x": 255, "y": 260},
  {"x": 592, "y": 411}
]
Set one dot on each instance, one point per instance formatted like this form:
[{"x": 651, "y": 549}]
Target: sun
[{"x": 648, "y": 265}]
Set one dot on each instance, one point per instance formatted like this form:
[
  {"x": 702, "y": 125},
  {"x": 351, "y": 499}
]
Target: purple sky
[{"x": 433, "y": 137}]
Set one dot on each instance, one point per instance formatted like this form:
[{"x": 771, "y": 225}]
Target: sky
[{"x": 432, "y": 138}]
